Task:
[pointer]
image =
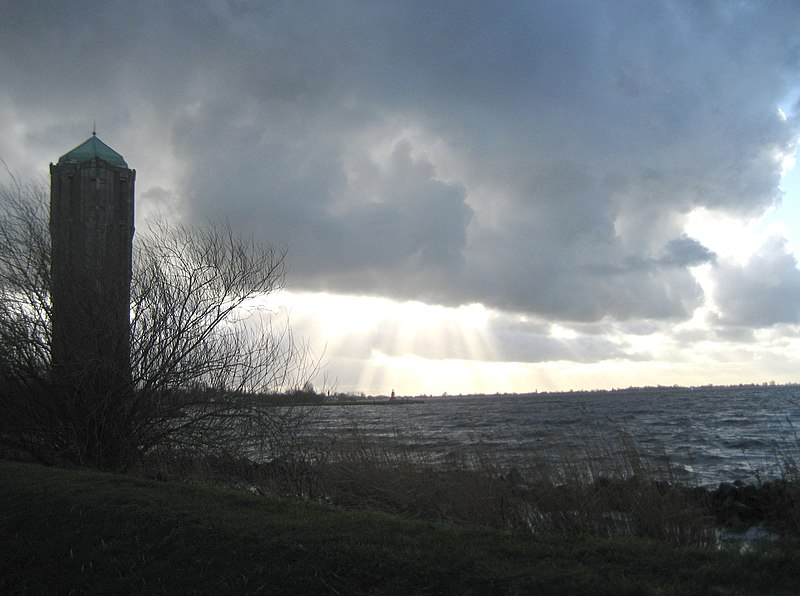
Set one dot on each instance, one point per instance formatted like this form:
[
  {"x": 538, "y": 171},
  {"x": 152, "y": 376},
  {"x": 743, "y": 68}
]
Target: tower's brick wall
[{"x": 91, "y": 227}]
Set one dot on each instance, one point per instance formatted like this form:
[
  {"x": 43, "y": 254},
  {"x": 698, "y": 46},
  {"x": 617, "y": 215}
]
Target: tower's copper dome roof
[{"x": 91, "y": 148}]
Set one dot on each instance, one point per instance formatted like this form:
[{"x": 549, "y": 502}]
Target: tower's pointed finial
[{"x": 94, "y": 128}]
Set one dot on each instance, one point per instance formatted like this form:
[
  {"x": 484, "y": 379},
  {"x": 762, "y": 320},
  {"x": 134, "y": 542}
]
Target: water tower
[{"x": 91, "y": 230}]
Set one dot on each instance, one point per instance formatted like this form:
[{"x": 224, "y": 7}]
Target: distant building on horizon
[{"x": 91, "y": 230}]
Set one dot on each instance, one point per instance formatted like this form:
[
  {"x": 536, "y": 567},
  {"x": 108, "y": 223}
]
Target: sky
[{"x": 473, "y": 196}]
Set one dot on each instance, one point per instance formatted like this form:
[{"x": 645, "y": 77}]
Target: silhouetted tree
[{"x": 202, "y": 348}]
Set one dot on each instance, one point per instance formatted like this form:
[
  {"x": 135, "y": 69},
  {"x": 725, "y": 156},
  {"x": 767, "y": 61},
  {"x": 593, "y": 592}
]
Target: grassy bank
[{"x": 86, "y": 532}]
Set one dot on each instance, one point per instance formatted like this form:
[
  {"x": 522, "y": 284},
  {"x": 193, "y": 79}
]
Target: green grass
[{"x": 66, "y": 531}]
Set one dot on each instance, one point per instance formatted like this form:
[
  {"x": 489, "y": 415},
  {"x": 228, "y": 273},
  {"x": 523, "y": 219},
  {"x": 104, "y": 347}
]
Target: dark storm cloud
[
  {"x": 687, "y": 252},
  {"x": 535, "y": 157}
]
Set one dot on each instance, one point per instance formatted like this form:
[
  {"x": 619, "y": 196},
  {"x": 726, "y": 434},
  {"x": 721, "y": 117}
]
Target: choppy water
[{"x": 711, "y": 435}]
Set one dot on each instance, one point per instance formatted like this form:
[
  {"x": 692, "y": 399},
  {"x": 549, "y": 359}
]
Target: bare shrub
[{"x": 202, "y": 347}]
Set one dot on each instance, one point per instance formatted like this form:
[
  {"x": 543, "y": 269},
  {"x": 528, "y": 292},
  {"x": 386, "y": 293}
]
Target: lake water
[{"x": 711, "y": 435}]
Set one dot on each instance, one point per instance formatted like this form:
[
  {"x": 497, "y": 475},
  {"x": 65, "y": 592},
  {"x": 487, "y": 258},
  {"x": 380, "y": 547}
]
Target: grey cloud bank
[{"x": 535, "y": 157}]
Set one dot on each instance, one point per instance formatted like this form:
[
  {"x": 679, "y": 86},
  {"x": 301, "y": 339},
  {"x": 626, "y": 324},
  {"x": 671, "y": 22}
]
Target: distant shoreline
[
  {"x": 653, "y": 390},
  {"x": 371, "y": 402},
  {"x": 616, "y": 390}
]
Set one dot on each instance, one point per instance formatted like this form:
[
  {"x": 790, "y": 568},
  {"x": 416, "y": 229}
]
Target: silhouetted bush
[{"x": 201, "y": 343}]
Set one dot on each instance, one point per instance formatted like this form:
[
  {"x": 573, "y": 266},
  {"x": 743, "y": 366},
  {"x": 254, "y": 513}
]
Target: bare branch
[{"x": 202, "y": 349}]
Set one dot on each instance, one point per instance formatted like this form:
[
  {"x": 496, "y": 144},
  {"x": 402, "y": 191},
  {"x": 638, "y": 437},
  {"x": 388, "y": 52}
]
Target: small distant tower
[{"x": 91, "y": 230}]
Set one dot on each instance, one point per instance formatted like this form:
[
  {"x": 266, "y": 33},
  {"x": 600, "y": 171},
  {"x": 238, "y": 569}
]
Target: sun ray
[{"x": 445, "y": 344}]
